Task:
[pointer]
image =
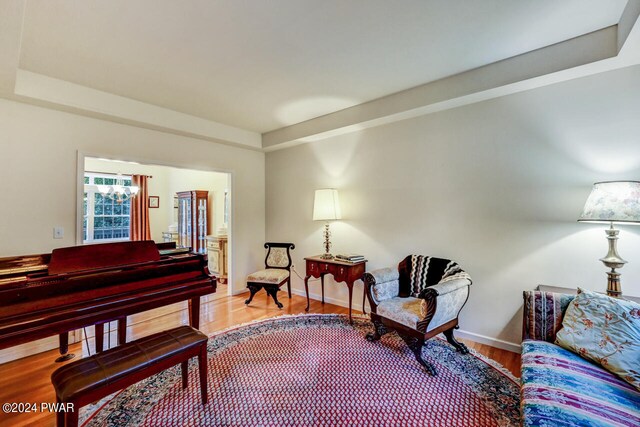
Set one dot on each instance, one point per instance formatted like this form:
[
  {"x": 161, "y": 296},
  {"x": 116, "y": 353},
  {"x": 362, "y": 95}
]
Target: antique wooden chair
[
  {"x": 419, "y": 299},
  {"x": 276, "y": 273}
]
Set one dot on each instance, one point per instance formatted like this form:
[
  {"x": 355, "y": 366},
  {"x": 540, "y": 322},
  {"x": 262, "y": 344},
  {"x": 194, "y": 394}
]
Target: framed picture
[{"x": 154, "y": 202}]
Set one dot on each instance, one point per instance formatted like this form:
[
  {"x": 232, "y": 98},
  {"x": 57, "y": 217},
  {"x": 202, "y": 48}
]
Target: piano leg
[
  {"x": 122, "y": 330},
  {"x": 60, "y": 415},
  {"x": 194, "y": 312},
  {"x": 64, "y": 348},
  {"x": 99, "y": 328},
  {"x": 122, "y": 334}
]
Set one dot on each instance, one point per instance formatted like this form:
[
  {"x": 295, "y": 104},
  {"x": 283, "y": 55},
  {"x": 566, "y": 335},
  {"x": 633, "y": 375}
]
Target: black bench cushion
[{"x": 94, "y": 372}]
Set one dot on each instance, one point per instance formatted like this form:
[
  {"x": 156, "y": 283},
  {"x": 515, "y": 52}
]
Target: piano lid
[{"x": 104, "y": 255}]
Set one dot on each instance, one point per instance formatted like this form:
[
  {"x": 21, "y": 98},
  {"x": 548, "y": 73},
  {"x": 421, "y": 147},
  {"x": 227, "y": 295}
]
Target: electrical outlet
[{"x": 58, "y": 232}]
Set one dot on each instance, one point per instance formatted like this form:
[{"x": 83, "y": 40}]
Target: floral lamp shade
[{"x": 613, "y": 201}]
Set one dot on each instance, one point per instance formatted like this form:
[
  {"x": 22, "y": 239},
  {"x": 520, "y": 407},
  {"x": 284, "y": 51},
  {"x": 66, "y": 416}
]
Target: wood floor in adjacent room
[{"x": 28, "y": 380}]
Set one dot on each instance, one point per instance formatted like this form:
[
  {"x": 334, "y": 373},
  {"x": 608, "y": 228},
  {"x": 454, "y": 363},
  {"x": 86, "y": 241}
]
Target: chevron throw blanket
[{"x": 425, "y": 271}]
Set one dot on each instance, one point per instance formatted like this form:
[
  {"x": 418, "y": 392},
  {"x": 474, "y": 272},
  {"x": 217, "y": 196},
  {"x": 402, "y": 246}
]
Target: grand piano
[{"x": 79, "y": 286}]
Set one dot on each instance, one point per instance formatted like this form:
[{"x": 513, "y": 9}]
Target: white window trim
[{"x": 91, "y": 189}]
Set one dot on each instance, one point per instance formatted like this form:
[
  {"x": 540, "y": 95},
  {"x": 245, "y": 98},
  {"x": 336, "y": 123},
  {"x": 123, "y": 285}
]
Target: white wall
[
  {"x": 38, "y": 172},
  {"x": 496, "y": 186}
]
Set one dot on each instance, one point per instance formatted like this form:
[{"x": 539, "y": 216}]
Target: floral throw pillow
[{"x": 605, "y": 330}]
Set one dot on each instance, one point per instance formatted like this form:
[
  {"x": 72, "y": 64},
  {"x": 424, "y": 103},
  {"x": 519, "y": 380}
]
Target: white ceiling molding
[
  {"x": 106, "y": 105},
  {"x": 582, "y": 56},
  {"x": 628, "y": 28},
  {"x": 606, "y": 49},
  {"x": 11, "y": 15},
  {"x": 25, "y": 86}
]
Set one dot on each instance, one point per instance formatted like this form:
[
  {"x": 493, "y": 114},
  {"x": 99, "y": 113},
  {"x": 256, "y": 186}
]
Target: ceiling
[
  {"x": 261, "y": 65},
  {"x": 264, "y": 74}
]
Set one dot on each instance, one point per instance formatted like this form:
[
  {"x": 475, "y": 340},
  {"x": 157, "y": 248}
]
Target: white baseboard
[
  {"x": 493, "y": 342},
  {"x": 28, "y": 349},
  {"x": 356, "y": 304},
  {"x": 33, "y": 347},
  {"x": 482, "y": 339}
]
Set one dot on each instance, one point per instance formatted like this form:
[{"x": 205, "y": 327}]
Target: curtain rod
[{"x": 115, "y": 174}]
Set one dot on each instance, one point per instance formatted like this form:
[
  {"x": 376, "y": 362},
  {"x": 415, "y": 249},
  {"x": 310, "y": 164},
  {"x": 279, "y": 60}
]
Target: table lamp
[
  {"x": 326, "y": 207},
  {"x": 613, "y": 202}
]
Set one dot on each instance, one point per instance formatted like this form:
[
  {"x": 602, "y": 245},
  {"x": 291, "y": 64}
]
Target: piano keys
[{"x": 79, "y": 286}]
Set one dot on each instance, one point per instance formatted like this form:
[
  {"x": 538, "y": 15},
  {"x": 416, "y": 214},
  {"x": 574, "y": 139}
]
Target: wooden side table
[{"x": 341, "y": 271}]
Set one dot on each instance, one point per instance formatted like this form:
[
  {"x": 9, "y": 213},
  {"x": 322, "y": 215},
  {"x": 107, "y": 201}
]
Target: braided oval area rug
[{"x": 319, "y": 370}]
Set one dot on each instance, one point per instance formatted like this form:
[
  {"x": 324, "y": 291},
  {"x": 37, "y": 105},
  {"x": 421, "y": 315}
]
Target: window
[{"x": 105, "y": 219}]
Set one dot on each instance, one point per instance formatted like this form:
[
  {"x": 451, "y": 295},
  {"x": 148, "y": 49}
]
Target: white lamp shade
[
  {"x": 613, "y": 201},
  {"x": 326, "y": 206}
]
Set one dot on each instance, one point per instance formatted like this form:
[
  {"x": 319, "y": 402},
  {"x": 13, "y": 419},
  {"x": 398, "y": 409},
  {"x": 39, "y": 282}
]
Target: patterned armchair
[
  {"x": 419, "y": 299},
  {"x": 276, "y": 273}
]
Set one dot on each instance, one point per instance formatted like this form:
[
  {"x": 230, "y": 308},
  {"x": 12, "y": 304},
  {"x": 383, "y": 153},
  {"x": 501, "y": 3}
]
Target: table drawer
[
  {"x": 340, "y": 273},
  {"x": 316, "y": 268}
]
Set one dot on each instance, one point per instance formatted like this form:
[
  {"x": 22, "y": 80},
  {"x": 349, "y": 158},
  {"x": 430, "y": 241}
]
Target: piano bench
[{"x": 88, "y": 380}]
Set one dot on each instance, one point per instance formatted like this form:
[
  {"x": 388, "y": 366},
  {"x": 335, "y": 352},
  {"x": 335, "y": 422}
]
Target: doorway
[{"x": 107, "y": 187}]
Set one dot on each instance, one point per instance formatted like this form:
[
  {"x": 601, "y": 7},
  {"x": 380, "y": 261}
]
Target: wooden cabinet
[
  {"x": 217, "y": 255},
  {"x": 193, "y": 207}
]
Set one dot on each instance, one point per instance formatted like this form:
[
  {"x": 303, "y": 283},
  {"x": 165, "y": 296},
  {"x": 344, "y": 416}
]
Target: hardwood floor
[{"x": 28, "y": 380}]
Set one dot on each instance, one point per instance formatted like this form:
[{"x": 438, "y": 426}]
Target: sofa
[{"x": 559, "y": 387}]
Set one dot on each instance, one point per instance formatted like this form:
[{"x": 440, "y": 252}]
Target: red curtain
[{"x": 140, "y": 229}]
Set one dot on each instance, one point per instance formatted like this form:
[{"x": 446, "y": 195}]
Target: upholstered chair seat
[
  {"x": 270, "y": 275},
  {"x": 420, "y": 298},
  {"x": 276, "y": 273},
  {"x": 406, "y": 311}
]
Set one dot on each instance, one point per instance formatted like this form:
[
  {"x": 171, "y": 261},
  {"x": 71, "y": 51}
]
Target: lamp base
[
  {"x": 613, "y": 261},
  {"x": 613, "y": 284},
  {"x": 327, "y": 242}
]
